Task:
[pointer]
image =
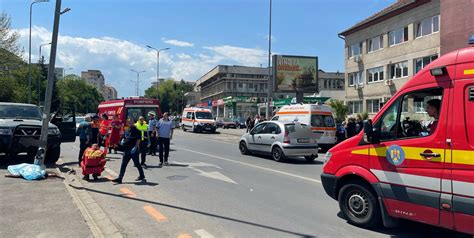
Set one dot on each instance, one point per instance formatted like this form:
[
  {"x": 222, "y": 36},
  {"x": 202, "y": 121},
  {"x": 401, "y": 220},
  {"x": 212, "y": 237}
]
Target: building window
[
  {"x": 427, "y": 26},
  {"x": 325, "y": 84},
  {"x": 355, "y": 78},
  {"x": 373, "y": 106},
  {"x": 355, "y": 49},
  {"x": 374, "y": 44},
  {"x": 375, "y": 75},
  {"x": 398, "y": 36},
  {"x": 354, "y": 107},
  {"x": 419, "y": 107},
  {"x": 423, "y": 62},
  {"x": 399, "y": 70}
]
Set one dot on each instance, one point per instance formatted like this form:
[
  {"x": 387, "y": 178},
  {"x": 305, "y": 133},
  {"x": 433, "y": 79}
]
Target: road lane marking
[
  {"x": 111, "y": 172},
  {"x": 251, "y": 165},
  {"x": 109, "y": 177},
  {"x": 203, "y": 233},
  {"x": 127, "y": 192},
  {"x": 185, "y": 236},
  {"x": 214, "y": 175},
  {"x": 155, "y": 213}
]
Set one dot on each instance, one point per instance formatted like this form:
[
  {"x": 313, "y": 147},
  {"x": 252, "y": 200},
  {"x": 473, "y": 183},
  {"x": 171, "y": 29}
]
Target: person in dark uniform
[{"x": 131, "y": 146}]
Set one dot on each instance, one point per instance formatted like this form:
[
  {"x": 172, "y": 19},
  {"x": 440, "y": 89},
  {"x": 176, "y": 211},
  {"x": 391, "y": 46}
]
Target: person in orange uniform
[
  {"x": 104, "y": 130},
  {"x": 114, "y": 139}
]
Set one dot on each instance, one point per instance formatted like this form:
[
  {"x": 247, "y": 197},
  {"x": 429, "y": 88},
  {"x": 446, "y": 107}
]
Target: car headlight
[
  {"x": 53, "y": 131},
  {"x": 5, "y": 131},
  {"x": 327, "y": 157}
]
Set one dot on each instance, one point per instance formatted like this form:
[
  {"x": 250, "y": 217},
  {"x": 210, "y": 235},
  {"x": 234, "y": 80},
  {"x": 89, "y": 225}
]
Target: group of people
[
  {"x": 251, "y": 122},
  {"x": 138, "y": 139}
]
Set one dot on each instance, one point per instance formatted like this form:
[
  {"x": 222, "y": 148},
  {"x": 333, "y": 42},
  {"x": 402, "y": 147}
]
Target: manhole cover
[{"x": 176, "y": 177}]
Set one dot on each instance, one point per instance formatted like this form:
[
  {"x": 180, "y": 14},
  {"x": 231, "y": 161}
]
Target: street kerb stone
[{"x": 95, "y": 217}]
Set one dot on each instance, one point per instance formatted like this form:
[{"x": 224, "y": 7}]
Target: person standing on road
[
  {"x": 114, "y": 139},
  {"x": 247, "y": 123},
  {"x": 131, "y": 144},
  {"x": 84, "y": 131},
  {"x": 104, "y": 130},
  {"x": 152, "y": 133},
  {"x": 95, "y": 130},
  {"x": 143, "y": 128},
  {"x": 165, "y": 133}
]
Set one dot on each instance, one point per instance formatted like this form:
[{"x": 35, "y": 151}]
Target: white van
[
  {"x": 319, "y": 117},
  {"x": 198, "y": 119}
]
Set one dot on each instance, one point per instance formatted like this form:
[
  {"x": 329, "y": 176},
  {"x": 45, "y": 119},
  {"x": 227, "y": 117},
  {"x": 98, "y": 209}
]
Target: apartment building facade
[{"x": 385, "y": 50}]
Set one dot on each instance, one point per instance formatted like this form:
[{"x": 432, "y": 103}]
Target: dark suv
[{"x": 20, "y": 130}]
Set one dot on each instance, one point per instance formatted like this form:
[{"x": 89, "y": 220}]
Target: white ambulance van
[
  {"x": 198, "y": 120},
  {"x": 319, "y": 117}
]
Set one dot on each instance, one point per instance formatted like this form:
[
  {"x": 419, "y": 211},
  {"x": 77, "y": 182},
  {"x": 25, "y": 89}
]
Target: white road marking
[
  {"x": 111, "y": 172},
  {"x": 197, "y": 164},
  {"x": 203, "y": 233},
  {"x": 251, "y": 165},
  {"x": 215, "y": 175}
]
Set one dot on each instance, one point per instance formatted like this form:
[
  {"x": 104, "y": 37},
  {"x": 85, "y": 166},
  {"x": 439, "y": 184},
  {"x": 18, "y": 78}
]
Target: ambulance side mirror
[{"x": 371, "y": 136}]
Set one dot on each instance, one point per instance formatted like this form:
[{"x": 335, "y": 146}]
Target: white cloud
[
  {"x": 177, "y": 43},
  {"x": 115, "y": 57}
]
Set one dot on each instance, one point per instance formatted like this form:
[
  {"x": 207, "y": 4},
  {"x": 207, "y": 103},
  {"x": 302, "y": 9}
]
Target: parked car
[
  {"x": 20, "y": 130},
  {"x": 240, "y": 122},
  {"x": 229, "y": 123},
  {"x": 78, "y": 120},
  {"x": 281, "y": 140}
]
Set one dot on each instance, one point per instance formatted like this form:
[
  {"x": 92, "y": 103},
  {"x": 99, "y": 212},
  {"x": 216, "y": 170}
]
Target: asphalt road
[{"x": 211, "y": 190}]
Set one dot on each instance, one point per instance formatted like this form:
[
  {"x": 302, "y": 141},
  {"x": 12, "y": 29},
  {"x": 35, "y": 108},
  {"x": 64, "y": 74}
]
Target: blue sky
[{"x": 110, "y": 35}]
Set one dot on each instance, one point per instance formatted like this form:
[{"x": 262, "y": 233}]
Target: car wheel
[
  {"x": 359, "y": 205},
  {"x": 52, "y": 155},
  {"x": 310, "y": 158},
  {"x": 277, "y": 154},
  {"x": 243, "y": 148}
]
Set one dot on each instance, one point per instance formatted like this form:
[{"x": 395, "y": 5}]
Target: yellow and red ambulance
[
  {"x": 319, "y": 117},
  {"x": 415, "y": 159}
]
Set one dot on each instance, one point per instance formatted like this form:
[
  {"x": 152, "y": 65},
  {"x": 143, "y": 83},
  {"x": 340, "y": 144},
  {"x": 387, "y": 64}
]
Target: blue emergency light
[{"x": 471, "y": 40}]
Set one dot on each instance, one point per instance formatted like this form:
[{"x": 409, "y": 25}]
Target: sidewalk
[{"x": 38, "y": 208}]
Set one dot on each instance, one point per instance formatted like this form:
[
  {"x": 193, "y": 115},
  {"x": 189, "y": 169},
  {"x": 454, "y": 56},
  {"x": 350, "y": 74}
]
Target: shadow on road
[
  {"x": 414, "y": 229},
  {"x": 196, "y": 211},
  {"x": 295, "y": 161}
]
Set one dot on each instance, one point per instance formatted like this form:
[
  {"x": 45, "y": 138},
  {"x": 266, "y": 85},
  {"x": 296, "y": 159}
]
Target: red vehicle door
[
  {"x": 409, "y": 160},
  {"x": 462, "y": 167}
]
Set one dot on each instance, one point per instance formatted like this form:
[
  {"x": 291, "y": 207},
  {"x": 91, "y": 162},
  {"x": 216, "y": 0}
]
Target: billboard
[{"x": 295, "y": 74}]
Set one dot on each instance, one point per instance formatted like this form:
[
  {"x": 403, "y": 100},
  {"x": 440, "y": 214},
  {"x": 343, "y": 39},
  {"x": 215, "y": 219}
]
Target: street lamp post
[
  {"x": 29, "y": 49},
  {"x": 269, "y": 84},
  {"x": 137, "y": 85},
  {"x": 64, "y": 71},
  {"x": 157, "y": 65},
  {"x": 41, "y": 47}
]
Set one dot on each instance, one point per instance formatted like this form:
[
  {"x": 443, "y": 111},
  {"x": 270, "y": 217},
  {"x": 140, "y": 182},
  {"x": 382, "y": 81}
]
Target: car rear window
[{"x": 322, "y": 120}]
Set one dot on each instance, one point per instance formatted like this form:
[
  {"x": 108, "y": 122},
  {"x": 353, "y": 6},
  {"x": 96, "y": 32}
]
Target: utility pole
[{"x": 42, "y": 149}]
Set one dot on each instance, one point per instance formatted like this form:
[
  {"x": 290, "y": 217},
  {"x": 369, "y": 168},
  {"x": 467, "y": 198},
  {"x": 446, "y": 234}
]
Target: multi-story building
[
  {"x": 95, "y": 78},
  {"x": 233, "y": 91},
  {"x": 385, "y": 50},
  {"x": 109, "y": 92}
]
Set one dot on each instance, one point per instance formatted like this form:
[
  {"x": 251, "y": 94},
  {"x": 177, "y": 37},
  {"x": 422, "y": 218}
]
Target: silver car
[{"x": 280, "y": 140}]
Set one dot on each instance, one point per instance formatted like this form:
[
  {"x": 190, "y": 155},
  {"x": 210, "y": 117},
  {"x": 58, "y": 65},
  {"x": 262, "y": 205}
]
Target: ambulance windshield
[{"x": 204, "y": 115}]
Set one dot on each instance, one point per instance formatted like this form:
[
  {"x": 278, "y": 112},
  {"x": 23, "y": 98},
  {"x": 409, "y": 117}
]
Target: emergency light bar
[{"x": 471, "y": 40}]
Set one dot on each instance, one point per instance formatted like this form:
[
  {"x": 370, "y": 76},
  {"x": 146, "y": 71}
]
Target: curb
[{"x": 97, "y": 220}]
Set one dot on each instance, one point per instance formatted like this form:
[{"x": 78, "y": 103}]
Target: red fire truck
[
  {"x": 416, "y": 160},
  {"x": 130, "y": 108}
]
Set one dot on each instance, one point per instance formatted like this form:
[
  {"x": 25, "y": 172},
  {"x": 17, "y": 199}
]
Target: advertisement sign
[{"x": 295, "y": 74}]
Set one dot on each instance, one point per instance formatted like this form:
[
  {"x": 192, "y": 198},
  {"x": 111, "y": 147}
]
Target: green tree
[
  {"x": 8, "y": 38},
  {"x": 339, "y": 109},
  {"x": 75, "y": 93},
  {"x": 170, "y": 93}
]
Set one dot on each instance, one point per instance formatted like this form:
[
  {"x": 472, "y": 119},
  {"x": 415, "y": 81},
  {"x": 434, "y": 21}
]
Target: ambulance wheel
[
  {"x": 183, "y": 127},
  {"x": 277, "y": 154},
  {"x": 52, "y": 155},
  {"x": 359, "y": 205}
]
